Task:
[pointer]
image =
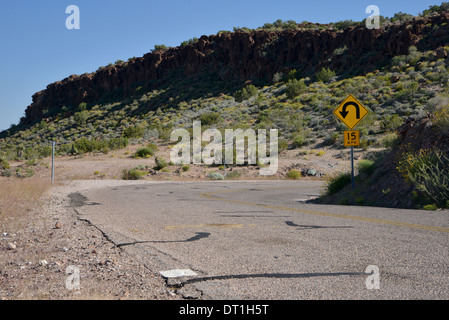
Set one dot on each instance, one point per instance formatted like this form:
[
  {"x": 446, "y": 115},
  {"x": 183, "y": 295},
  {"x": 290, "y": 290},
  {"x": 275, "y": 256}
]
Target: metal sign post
[
  {"x": 352, "y": 169},
  {"x": 52, "y": 162},
  {"x": 352, "y": 139},
  {"x": 351, "y": 112}
]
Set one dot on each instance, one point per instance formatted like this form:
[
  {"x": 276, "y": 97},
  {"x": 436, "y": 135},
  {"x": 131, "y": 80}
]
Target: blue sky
[{"x": 37, "y": 48}]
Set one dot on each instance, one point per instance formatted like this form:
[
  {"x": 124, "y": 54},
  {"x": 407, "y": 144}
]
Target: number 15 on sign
[{"x": 352, "y": 138}]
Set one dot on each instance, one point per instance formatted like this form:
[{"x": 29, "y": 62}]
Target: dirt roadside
[{"x": 43, "y": 259}]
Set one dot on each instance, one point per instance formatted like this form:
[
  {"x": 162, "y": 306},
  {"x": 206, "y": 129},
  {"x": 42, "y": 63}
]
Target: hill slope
[
  {"x": 255, "y": 55},
  {"x": 286, "y": 77}
]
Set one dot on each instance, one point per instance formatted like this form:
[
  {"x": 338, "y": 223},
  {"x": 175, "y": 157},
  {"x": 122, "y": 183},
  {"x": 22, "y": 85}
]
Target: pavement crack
[{"x": 78, "y": 216}]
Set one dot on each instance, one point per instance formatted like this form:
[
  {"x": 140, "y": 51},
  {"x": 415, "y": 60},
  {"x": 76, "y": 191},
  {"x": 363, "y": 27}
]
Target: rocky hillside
[
  {"x": 386, "y": 181},
  {"x": 255, "y": 55}
]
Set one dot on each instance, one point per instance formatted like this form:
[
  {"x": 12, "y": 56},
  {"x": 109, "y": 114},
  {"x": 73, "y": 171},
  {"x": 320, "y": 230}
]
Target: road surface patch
[{"x": 177, "y": 273}]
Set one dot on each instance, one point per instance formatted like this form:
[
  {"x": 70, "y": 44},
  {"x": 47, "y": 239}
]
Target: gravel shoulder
[{"x": 57, "y": 256}]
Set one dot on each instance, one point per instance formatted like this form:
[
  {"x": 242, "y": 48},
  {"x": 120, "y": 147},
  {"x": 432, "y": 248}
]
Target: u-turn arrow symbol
[{"x": 344, "y": 112}]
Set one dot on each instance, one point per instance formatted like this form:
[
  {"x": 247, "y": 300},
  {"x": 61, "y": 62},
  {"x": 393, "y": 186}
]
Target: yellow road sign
[
  {"x": 351, "y": 112},
  {"x": 352, "y": 138}
]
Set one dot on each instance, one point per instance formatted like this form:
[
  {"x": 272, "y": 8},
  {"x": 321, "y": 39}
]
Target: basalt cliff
[{"x": 256, "y": 55}]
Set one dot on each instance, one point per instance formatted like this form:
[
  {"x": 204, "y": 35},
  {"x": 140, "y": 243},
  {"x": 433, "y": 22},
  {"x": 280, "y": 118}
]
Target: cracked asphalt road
[{"x": 261, "y": 240}]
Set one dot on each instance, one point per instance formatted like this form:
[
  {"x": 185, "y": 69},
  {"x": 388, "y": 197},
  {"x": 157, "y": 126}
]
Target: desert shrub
[
  {"x": 82, "y": 106},
  {"x": 234, "y": 174},
  {"x": 340, "y": 25},
  {"x": 6, "y": 173},
  {"x": 401, "y": 17},
  {"x": 4, "y": 164},
  {"x": 441, "y": 119},
  {"x": 295, "y": 88},
  {"x": 331, "y": 139},
  {"x": 366, "y": 167},
  {"x": 390, "y": 141},
  {"x": 210, "y": 118},
  {"x": 298, "y": 140},
  {"x": 341, "y": 50},
  {"x": 325, "y": 75},
  {"x": 246, "y": 93},
  {"x": 144, "y": 152},
  {"x": 294, "y": 174},
  {"x": 293, "y": 75},
  {"x": 160, "y": 163},
  {"x": 215, "y": 176},
  {"x": 430, "y": 207},
  {"x": 24, "y": 172},
  {"x": 189, "y": 42},
  {"x": 336, "y": 182},
  {"x": 117, "y": 143},
  {"x": 31, "y": 162},
  {"x": 160, "y": 47},
  {"x": 427, "y": 171},
  {"x": 133, "y": 174},
  {"x": 44, "y": 151},
  {"x": 185, "y": 168},
  {"x": 85, "y": 145},
  {"x": 282, "y": 144},
  {"x": 436, "y": 9},
  {"x": 134, "y": 132},
  {"x": 391, "y": 123},
  {"x": 81, "y": 117},
  {"x": 280, "y": 25}
]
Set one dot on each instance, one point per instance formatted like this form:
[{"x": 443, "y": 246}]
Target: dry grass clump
[{"x": 19, "y": 196}]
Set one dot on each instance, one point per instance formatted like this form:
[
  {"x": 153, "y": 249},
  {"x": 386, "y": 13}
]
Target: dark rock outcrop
[{"x": 255, "y": 55}]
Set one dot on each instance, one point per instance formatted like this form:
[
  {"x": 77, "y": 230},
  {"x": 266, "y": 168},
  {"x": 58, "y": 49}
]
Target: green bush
[
  {"x": 81, "y": 117},
  {"x": 391, "y": 123},
  {"x": 390, "y": 141},
  {"x": 160, "y": 47},
  {"x": 134, "y": 132},
  {"x": 215, "y": 176},
  {"x": 210, "y": 118},
  {"x": 133, "y": 174},
  {"x": 44, "y": 151},
  {"x": 295, "y": 88},
  {"x": 144, "y": 152},
  {"x": 24, "y": 172},
  {"x": 430, "y": 207},
  {"x": 341, "y": 25},
  {"x": 117, "y": 143},
  {"x": 294, "y": 174},
  {"x": 246, "y": 93},
  {"x": 427, "y": 171},
  {"x": 325, "y": 75},
  {"x": 292, "y": 75},
  {"x": 337, "y": 182},
  {"x": 160, "y": 163},
  {"x": 298, "y": 140},
  {"x": 366, "y": 167},
  {"x": 6, "y": 173},
  {"x": 85, "y": 145},
  {"x": 4, "y": 164},
  {"x": 441, "y": 120},
  {"x": 190, "y": 41}
]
